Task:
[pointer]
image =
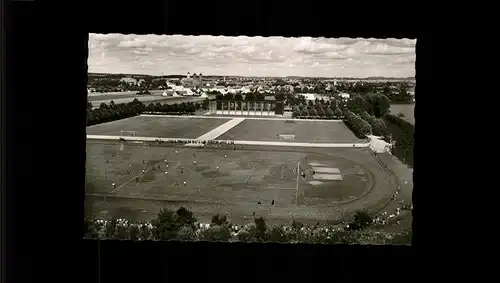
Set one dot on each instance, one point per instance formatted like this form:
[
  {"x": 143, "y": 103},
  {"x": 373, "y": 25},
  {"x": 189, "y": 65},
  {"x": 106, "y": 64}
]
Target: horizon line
[{"x": 131, "y": 74}]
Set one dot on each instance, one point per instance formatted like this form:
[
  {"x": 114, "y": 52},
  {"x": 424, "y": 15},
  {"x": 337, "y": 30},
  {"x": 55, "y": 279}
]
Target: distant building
[
  {"x": 192, "y": 81},
  {"x": 130, "y": 81},
  {"x": 266, "y": 107}
]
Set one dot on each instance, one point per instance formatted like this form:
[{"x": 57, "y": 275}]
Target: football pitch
[{"x": 136, "y": 180}]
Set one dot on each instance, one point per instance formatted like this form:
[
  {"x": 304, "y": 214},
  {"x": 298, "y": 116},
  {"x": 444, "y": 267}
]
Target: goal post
[
  {"x": 127, "y": 133},
  {"x": 286, "y": 137}
]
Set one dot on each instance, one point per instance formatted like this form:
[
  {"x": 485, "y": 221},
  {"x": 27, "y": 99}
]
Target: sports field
[
  {"x": 305, "y": 131},
  {"x": 161, "y": 127},
  {"x": 236, "y": 183}
]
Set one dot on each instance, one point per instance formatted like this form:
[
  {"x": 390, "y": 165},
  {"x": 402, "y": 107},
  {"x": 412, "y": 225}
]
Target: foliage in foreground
[{"x": 182, "y": 225}]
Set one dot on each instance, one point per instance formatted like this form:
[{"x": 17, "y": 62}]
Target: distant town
[{"x": 398, "y": 90}]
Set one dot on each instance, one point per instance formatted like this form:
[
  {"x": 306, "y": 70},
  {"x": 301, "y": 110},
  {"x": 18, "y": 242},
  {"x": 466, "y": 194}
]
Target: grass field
[
  {"x": 158, "y": 127},
  {"x": 305, "y": 131},
  {"x": 247, "y": 176}
]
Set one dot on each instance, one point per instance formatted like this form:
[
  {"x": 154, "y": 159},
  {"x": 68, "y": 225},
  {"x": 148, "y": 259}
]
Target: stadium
[{"x": 281, "y": 169}]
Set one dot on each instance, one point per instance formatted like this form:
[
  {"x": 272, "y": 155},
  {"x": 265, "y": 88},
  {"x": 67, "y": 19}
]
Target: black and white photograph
[{"x": 250, "y": 139}]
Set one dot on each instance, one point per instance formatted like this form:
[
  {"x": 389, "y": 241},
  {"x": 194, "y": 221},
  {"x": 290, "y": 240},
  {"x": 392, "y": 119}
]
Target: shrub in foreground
[{"x": 179, "y": 225}]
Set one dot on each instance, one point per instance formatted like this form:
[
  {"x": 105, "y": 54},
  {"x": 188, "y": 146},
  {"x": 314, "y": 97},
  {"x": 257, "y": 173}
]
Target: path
[
  {"x": 274, "y": 118},
  {"x": 264, "y": 143},
  {"x": 220, "y": 130}
]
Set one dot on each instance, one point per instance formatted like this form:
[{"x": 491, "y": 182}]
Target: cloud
[{"x": 251, "y": 56}]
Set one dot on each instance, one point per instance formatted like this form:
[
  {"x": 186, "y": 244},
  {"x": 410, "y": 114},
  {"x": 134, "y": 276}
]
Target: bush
[
  {"x": 215, "y": 233},
  {"x": 219, "y": 220},
  {"x": 166, "y": 225},
  {"x": 321, "y": 112},
  {"x": 110, "y": 229},
  {"x": 145, "y": 231},
  {"x": 361, "y": 220},
  {"x": 186, "y": 233},
  {"x": 379, "y": 127},
  {"x": 358, "y": 126},
  {"x": 91, "y": 228},
  {"x": 337, "y": 112},
  {"x": 277, "y": 234},
  {"x": 185, "y": 217},
  {"x": 402, "y": 134},
  {"x": 329, "y": 112},
  {"x": 313, "y": 112},
  {"x": 304, "y": 112},
  {"x": 357, "y": 233},
  {"x": 260, "y": 229},
  {"x": 134, "y": 232}
]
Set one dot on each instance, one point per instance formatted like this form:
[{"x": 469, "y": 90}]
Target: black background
[{"x": 45, "y": 98}]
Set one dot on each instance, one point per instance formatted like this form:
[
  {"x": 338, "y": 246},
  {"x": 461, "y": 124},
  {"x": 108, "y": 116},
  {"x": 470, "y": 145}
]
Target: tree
[
  {"x": 260, "y": 229},
  {"x": 111, "y": 229},
  {"x": 363, "y": 126},
  {"x": 91, "y": 228},
  {"x": 185, "y": 217},
  {"x": 296, "y": 225},
  {"x": 361, "y": 220},
  {"x": 219, "y": 220},
  {"x": 134, "y": 232},
  {"x": 186, "y": 233},
  {"x": 89, "y": 106},
  {"x": 166, "y": 225},
  {"x": 382, "y": 105},
  {"x": 276, "y": 234},
  {"x": 238, "y": 97},
  {"x": 321, "y": 112},
  {"x": 313, "y": 112},
  {"x": 356, "y": 104},
  {"x": 215, "y": 233},
  {"x": 304, "y": 112},
  {"x": 367, "y": 117},
  {"x": 337, "y": 112},
  {"x": 329, "y": 112},
  {"x": 379, "y": 127},
  {"x": 144, "y": 231},
  {"x": 122, "y": 231}
]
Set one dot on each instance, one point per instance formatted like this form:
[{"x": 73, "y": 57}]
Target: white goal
[
  {"x": 127, "y": 133},
  {"x": 286, "y": 137}
]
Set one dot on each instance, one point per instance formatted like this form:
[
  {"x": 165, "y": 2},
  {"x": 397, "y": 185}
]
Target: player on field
[{"x": 114, "y": 185}]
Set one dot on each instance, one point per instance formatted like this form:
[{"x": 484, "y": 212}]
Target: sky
[{"x": 251, "y": 56}]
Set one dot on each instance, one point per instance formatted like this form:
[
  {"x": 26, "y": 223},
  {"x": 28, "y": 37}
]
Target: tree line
[
  {"x": 370, "y": 114},
  {"x": 111, "y": 112},
  {"x": 320, "y": 109},
  {"x": 182, "y": 225},
  {"x": 402, "y": 135}
]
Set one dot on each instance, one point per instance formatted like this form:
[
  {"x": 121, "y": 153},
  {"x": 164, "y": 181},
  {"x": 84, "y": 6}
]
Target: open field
[
  {"x": 190, "y": 128},
  {"x": 247, "y": 176},
  {"x": 304, "y": 131},
  {"x": 407, "y": 109}
]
